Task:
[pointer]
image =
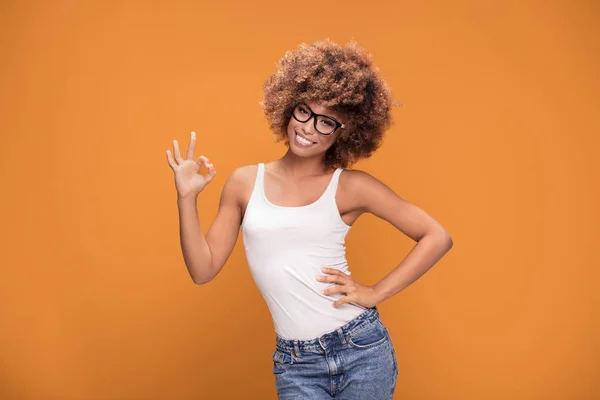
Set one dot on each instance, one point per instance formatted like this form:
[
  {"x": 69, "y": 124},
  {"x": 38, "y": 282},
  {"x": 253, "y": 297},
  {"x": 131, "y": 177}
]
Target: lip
[{"x": 304, "y": 137}]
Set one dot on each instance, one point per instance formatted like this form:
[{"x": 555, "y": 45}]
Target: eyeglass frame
[{"x": 338, "y": 124}]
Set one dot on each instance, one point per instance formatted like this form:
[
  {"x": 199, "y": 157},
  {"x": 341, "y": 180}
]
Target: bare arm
[
  {"x": 204, "y": 255},
  {"x": 195, "y": 249},
  {"x": 223, "y": 233},
  {"x": 433, "y": 241}
]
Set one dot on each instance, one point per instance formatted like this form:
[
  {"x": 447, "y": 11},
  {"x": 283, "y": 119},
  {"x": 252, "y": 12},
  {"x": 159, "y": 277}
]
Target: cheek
[
  {"x": 328, "y": 141},
  {"x": 290, "y": 127},
  {"x": 292, "y": 122}
]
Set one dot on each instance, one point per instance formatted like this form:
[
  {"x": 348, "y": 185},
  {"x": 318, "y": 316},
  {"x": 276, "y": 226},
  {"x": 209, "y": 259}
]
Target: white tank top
[{"x": 286, "y": 247}]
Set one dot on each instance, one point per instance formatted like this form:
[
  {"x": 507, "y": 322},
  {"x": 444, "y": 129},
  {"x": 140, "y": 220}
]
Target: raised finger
[
  {"x": 170, "y": 160},
  {"x": 192, "y": 146},
  {"x": 176, "y": 151}
]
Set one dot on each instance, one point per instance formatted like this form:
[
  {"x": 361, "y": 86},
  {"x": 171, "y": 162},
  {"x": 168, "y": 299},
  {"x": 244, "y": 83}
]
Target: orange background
[{"x": 497, "y": 140}]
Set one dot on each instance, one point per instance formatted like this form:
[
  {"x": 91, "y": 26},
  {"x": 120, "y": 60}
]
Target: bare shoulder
[
  {"x": 350, "y": 178},
  {"x": 240, "y": 183},
  {"x": 243, "y": 175},
  {"x": 366, "y": 193},
  {"x": 359, "y": 186}
]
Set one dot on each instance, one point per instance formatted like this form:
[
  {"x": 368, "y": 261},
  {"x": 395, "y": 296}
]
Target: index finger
[{"x": 192, "y": 146}]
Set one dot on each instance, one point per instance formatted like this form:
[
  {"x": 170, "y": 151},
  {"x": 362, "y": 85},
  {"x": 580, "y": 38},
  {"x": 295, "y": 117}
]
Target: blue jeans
[{"x": 356, "y": 361}]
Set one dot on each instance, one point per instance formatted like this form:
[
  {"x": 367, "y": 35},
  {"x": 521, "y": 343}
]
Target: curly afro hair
[{"x": 338, "y": 77}]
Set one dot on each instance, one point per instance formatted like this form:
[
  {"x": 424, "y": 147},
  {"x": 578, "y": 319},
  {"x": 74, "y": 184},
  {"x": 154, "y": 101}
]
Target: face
[{"x": 305, "y": 140}]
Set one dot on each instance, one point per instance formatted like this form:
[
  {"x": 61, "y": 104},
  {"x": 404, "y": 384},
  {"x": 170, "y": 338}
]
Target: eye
[
  {"x": 303, "y": 110},
  {"x": 327, "y": 123}
]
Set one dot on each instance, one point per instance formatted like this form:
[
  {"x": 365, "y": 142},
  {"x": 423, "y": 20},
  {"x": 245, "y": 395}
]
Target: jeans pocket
[
  {"x": 370, "y": 335},
  {"x": 281, "y": 360}
]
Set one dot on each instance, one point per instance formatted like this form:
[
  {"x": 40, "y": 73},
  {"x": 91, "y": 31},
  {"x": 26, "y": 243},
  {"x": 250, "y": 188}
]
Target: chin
[{"x": 301, "y": 152}]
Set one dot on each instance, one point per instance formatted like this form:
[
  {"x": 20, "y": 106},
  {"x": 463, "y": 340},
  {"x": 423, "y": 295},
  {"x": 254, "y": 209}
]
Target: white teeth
[{"x": 302, "y": 140}]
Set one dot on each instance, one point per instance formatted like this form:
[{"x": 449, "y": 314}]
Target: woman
[{"x": 331, "y": 108}]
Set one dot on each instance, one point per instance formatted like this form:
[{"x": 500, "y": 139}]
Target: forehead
[{"x": 316, "y": 107}]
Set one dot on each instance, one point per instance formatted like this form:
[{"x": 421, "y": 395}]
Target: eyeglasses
[{"x": 323, "y": 124}]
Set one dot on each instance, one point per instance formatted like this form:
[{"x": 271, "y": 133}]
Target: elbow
[
  {"x": 200, "y": 274},
  {"x": 198, "y": 281},
  {"x": 201, "y": 280},
  {"x": 447, "y": 240},
  {"x": 442, "y": 236}
]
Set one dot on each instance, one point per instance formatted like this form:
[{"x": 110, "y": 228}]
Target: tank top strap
[
  {"x": 333, "y": 184},
  {"x": 260, "y": 178}
]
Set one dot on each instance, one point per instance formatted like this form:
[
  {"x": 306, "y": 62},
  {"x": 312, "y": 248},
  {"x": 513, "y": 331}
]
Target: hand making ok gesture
[{"x": 188, "y": 180}]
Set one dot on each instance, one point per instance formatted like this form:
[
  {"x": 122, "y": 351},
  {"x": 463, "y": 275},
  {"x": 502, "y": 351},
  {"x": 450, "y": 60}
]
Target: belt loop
[
  {"x": 297, "y": 349},
  {"x": 341, "y": 335},
  {"x": 321, "y": 343}
]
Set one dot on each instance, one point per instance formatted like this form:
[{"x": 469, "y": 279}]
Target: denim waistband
[{"x": 338, "y": 335}]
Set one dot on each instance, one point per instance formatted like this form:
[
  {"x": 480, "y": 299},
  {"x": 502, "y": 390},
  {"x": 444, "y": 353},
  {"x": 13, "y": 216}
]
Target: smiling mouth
[{"x": 302, "y": 140}]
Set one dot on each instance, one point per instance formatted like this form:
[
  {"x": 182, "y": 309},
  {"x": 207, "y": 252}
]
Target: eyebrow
[{"x": 325, "y": 115}]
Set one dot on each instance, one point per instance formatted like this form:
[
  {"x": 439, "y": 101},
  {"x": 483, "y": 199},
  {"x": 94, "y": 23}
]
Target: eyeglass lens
[{"x": 325, "y": 125}]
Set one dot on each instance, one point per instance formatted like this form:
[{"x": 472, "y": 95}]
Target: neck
[{"x": 292, "y": 165}]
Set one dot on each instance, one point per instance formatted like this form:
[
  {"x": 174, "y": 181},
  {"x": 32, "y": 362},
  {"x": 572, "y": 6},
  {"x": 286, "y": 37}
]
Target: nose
[{"x": 308, "y": 127}]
